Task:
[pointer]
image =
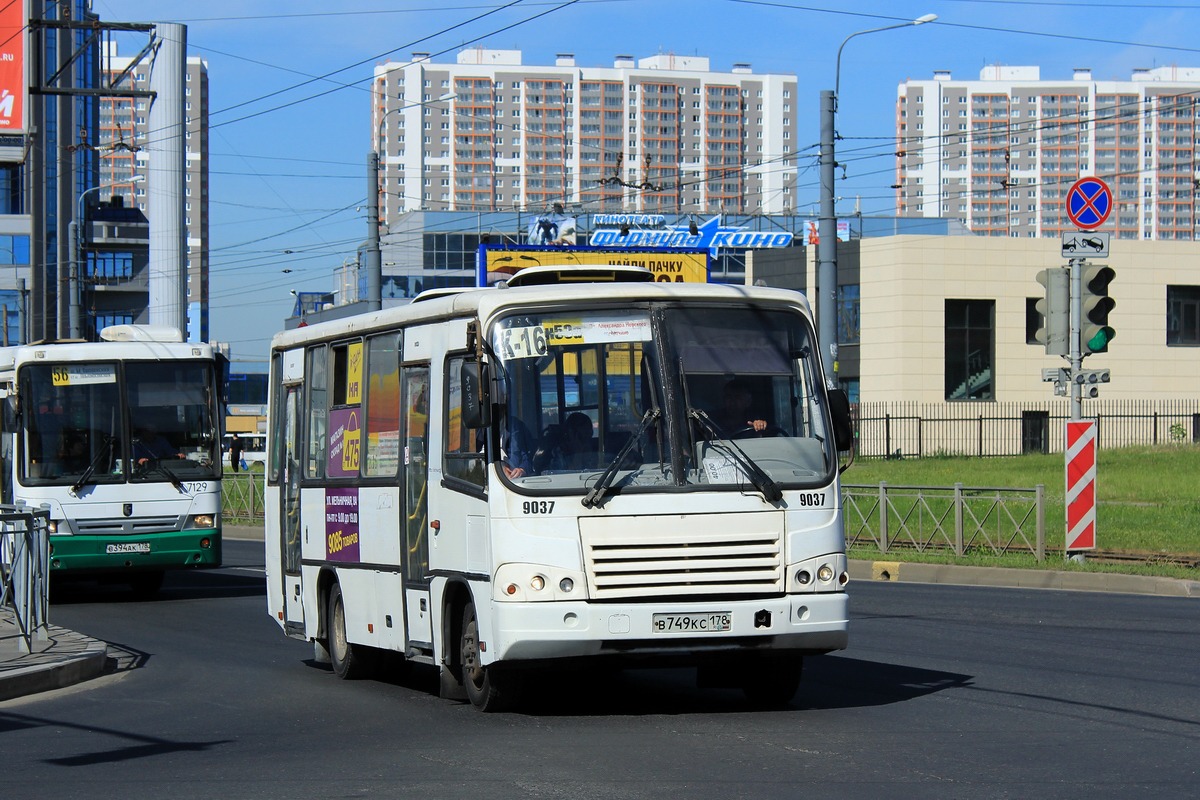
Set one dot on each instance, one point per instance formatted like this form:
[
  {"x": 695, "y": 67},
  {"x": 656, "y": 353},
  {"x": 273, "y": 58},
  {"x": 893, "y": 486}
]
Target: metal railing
[
  {"x": 977, "y": 428},
  {"x": 25, "y": 571},
  {"x": 956, "y": 519},
  {"x": 242, "y": 497}
]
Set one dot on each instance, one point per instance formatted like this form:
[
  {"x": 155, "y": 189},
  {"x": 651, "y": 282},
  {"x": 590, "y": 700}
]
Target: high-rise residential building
[
  {"x": 126, "y": 147},
  {"x": 664, "y": 134},
  {"x": 1000, "y": 153}
]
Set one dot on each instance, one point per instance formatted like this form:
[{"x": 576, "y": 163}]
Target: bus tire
[
  {"x": 349, "y": 661},
  {"x": 489, "y": 688},
  {"x": 772, "y": 681}
]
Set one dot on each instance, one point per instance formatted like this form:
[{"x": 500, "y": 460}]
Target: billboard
[
  {"x": 14, "y": 88},
  {"x": 673, "y": 265}
]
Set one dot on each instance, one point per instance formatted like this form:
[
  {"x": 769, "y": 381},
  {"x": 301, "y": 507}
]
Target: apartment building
[
  {"x": 126, "y": 146},
  {"x": 665, "y": 134},
  {"x": 1000, "y": 153}
]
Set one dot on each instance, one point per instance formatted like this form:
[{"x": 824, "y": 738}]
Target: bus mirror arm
[{"x": 12, "y": 411}]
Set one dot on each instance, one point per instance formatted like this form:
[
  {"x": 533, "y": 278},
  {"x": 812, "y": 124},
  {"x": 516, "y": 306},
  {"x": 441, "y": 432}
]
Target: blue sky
[{"x": 289, "y": 145}]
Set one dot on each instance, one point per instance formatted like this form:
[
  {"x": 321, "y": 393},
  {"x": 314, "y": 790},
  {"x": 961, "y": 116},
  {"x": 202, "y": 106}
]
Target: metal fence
[
  {"x": 958, "y": 520},
  {"x": 24, "y": 571},
  {"x": 242, "y": 498},
  {"x": 914, "y": 430}
]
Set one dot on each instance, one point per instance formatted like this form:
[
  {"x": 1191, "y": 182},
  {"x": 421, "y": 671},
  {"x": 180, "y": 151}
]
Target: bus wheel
[
  {"x": 146, "y": 584},
  {"x": 488, "y": 688},
  {"x": 349, "y": 660},
  {"x": 772, "y": 681}
]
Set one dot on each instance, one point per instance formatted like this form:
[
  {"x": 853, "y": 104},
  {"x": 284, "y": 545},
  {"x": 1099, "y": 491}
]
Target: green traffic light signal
[{"x": 1095, "y": 332}]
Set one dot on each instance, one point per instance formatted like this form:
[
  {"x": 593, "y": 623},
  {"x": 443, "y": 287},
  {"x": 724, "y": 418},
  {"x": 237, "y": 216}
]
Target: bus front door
[
  {"x": 289, "y": 519},
  {"x": 415, "y": 527}
]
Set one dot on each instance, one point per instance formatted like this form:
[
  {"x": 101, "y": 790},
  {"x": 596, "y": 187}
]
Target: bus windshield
[
  {"x": 712, "y": 396},
  {"x": 111, "y": 422}
]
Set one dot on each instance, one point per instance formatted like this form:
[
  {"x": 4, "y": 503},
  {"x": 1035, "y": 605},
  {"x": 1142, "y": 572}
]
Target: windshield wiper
[
  {"x": 771, "y": 490},
  {"x": 158, "y": 467},
  {"x": 593, "y": 497},
  {"x": 91, "y": 468}
]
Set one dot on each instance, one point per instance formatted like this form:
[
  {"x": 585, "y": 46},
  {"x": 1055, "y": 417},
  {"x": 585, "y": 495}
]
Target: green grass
[{"x": 1148, "y": 498}]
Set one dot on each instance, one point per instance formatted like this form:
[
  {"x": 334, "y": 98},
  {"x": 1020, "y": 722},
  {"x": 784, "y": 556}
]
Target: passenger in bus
[
  {"x": 569, "y": 446},
  {"x": 73, "y": 451},
  {"x": 734, "y": 416}
]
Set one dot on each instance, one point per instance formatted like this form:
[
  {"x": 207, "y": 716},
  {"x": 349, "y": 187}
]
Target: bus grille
[
  {"x": 127, "y": 526},
  {"x": 729, "y": 554}
]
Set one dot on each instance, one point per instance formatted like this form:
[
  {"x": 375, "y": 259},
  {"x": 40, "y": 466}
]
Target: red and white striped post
[{"x": 1081, "y": 486}]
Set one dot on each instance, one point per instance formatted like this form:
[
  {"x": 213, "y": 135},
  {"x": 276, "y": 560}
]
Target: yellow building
[{"x": 942, "y": 327}]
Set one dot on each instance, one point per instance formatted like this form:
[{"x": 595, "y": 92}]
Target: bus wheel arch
[
  {"x": 349, "y": 661},
  {"x": 490, "y": 688}
]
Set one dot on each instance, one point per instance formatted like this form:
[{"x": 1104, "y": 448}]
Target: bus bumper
[
  {"x": 175, "y": 550},
  {"x": 810, "y": 623}
]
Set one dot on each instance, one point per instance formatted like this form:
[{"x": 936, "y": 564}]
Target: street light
[
  {"x": 827, "y": 225},
  {"x": 371, "y": 258},
  {"x": 75, "y": 244}
]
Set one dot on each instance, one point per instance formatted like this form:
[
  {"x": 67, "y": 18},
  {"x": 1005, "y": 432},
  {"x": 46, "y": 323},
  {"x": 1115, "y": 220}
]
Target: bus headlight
[
  {"x": 201, "y": 521},
  {"x": 825, "y": 573},
  {"x": 536, "y": 583}
]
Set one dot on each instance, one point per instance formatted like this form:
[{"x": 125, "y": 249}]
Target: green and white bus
[
  {"x": 504, "y": 480},
  {"x": 120, "y": 439}
]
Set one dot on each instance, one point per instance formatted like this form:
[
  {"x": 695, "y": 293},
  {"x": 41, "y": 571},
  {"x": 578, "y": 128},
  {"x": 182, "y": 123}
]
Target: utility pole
[
  {"x": 168, "y": 234},
  {"x": 827, "y": 243},
  {"x": 372, "y": 261}
]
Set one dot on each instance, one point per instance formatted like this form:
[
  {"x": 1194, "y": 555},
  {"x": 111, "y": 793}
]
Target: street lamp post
[
  {"x": 827, "y": 225},
  {"x": 75, "y": 244},
  {"x": 372, "y": 260}
]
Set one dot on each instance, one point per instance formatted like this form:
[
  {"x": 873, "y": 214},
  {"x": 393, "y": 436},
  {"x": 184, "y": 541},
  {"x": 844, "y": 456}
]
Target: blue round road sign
[{"x": 1089, "y": 202}]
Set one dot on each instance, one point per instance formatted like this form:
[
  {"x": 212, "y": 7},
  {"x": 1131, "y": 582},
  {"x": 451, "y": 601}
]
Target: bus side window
[
  {"x": 318, "y": 411},
  {"x": 464, "y": 446}
]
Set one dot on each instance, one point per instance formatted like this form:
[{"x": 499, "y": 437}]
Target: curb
[
  {"x": 49, "y": 669},
  {"x": 1007, "y": 577}
]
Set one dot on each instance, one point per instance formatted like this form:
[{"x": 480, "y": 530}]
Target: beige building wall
[{"x": 905, "y": 281}]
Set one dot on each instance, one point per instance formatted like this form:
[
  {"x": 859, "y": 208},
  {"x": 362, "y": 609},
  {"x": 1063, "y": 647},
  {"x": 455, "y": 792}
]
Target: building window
[
  {"x": 970, "y": 349},
  {"x": 1183, "y": 316},
  {"x": 848, "y": 314}
]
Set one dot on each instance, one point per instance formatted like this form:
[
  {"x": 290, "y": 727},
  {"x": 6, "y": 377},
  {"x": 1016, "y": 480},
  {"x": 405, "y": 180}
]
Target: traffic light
[
  {"x": 1095, "y": 332},
  {"x": 1088, "y": 380},
  {"x": 1055, "y": 308}
]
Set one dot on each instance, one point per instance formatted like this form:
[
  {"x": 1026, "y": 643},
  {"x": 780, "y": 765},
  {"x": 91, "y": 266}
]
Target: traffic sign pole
[
  {"x": 1076, "y": 356},
  {"x": 1081, "y": 486}
]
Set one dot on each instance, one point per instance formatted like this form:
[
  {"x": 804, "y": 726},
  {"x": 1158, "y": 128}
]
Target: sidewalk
[
  {"x": 66, "y": 657},
  {"x": 61, "y": 658}
]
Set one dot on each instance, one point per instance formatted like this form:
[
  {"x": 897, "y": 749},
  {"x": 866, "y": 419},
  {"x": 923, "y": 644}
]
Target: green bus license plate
[
  {"x": 704, "y": 622},
  {"x": 128, "y": 547}
]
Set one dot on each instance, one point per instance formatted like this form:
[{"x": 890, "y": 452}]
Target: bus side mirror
[
  {"x": 839, "y": 409},
  {"x": 10, "y": 413},
  {"x": 476, "y": 405}
]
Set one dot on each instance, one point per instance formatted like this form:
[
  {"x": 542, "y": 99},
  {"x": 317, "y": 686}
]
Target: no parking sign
[{"x": 1089, "y": 202}]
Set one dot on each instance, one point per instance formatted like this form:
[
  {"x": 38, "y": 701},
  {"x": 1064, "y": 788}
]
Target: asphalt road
[{"x": 945, "y": 692}]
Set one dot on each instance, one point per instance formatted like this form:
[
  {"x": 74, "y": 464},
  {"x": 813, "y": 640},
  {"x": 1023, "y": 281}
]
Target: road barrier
[
  {"x": 959, "y": 519},
  {"x": 24, "y": 570},
  {"x": 242, "y": 498}
]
